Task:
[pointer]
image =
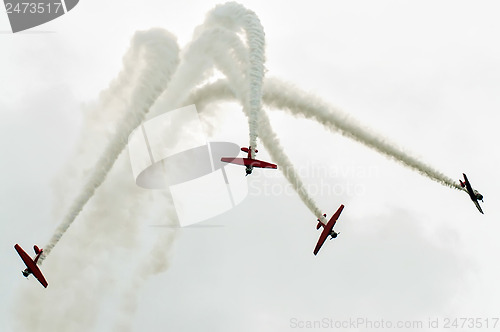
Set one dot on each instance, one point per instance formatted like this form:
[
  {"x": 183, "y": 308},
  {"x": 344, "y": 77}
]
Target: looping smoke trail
[
  {"x": 154, "y": 53},
  {"x": 221, "y": 48},
  {"x": 202, "y": 97},
  {"x": 234, "y": 15},
  {"x": 233, "y": 65},
  {"x": 218, "y": 46},
  {"x": 267, "y": 135},
  {"x": 284, "y": 96}
]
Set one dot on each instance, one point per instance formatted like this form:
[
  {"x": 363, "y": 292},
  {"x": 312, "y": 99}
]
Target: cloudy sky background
[{"x": 423, "y": 75}]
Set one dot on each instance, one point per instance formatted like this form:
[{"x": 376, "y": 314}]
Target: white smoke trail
[
  {"x": 80, "y": 278},
  {"x": 218, "y": 39},
  {"x": 155, "y": 52},
  {"x": 82, "y": 275},
  {"x": 156, "y": 262},
  {"x": 207, "y": 94},
  {"x": 147, "y": 69},
  {"x": 211, "y": 46},
  {"x": 273, "y": 146},
  {"x": 231, "y": 62},
  {"x": 235, "y": 16},
  {"x": 284, "y": 96}
]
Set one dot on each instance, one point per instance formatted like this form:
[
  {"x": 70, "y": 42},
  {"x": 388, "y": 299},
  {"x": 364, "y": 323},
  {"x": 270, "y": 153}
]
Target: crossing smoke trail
[
  {"x": 234, "y": 60},
  {"x": 266, "y": 133},
  {"x": 207, "y": 94},
  {"x": 235, "y": 16},
  {"x": 153, "y": 62},
  {"x": 220, "y": 48},
  {"x": 214, "y": 44},
  {"x": 220, "y": 45},
  {"x": 223, "y": 49},
  {"x": 154, "y": 53},
  {"x": 221, "y": 27},
  {"x": 280, "y": 95}
]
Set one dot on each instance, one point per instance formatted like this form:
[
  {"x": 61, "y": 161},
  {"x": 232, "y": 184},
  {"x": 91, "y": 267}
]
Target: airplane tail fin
[
  {"x": 320, "y": 224},
  {"x": 244, "y": 149},
  {"x": 37, "y": 250},
  {"x": 462, "y": 184}
]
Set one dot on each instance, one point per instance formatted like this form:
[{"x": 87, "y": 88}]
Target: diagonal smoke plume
[
  {"x": 283, "y": 96},
  {"x": 154, "y": 55}
]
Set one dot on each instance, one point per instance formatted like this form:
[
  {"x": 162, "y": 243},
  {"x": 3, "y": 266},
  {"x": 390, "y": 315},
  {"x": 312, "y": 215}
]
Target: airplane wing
[
  {"x": 249, "y": 162},
  {"x": 336, "y": 215},
  {"x": 30, "y": 264},
  {"x": 327, "y": 229},
  {"x": 478, "y": 206},
  {"x": 237, "y": 161},
  {"x": 470, "y": 191},
  {"x": 322, "y": 239},
  {"x": 24, "y": 256},
  {"x": 38, "y": 274},
  {"x": 469, "y": 188}
]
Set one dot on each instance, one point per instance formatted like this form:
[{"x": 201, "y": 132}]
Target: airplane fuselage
[
  {"x": 478, "y": 195},
  {"x": 249, "y": 168},
  {"x": 474, "y": 195}
]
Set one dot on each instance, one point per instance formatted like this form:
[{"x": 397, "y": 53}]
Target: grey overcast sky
[{"x": 425, "y": 75}]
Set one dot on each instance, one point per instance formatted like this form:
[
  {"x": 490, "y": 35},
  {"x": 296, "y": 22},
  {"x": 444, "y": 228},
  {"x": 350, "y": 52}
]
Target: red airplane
[
  {"x": 249, "y": 162},
  {"x": 327, "y": 229},
  {"x": 31, "y": 267},
  {"x": 473, "y": 193}
]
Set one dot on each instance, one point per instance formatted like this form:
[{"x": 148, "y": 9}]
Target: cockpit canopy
[{"x": 478, "y": 195}]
